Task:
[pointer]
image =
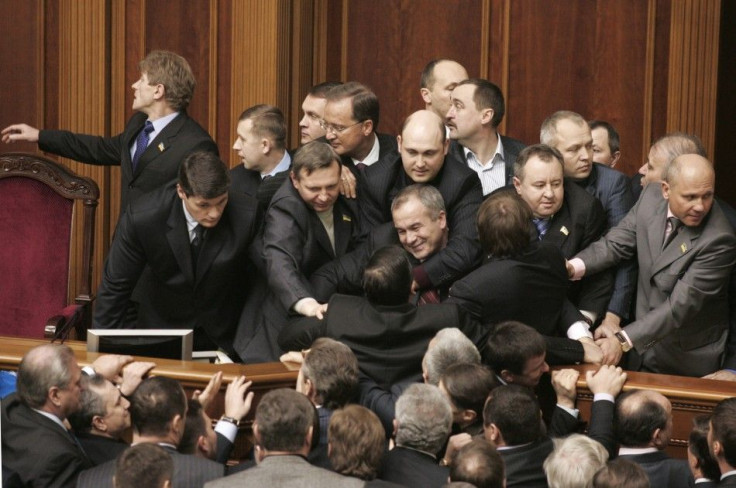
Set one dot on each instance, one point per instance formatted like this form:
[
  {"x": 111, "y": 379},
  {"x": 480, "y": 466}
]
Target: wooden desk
[
  {"x": 191, "y": 375},
  {"x": 690, "y": 397}
]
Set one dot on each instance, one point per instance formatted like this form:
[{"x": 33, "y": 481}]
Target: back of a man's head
[
  {"x": 621, "y": 473},
  {"x": 155, "y": 404},
  {"x": 638, "y": 416},
  {"x": 91, "y": 404},
  {"x": 387, "y": 277},
  {"x": 467, "y": 385},
  {"x": 203, "y": 174},
  {"x": 283, "y": 421},
  {"x": 510, "y": 345},
  {"x": 699, "y": 450},
  {"x": 424, "y": 418},
  {"x": 333, "y": 371},
  {"x": 503, "y": 225},
  {"x": 449, "y": 346},
  {"x": 723, "y": 432},
  {"x": 515, "y": 413},
  {"x": 357, "y": 442},
  {"x": 174, "y": 73},
  {"x": 478, "y": 463},
  {"x": 574, "y": 461},
  {"x": 195, "y": 428},
  {"x": 143, "y": 466},
  {"x": 42, "y": 368}
]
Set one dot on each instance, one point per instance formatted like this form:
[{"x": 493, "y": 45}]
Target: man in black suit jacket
[
  {"x": 384, "y": 325},
  {"x": 643, "y": 421},
  {"x": 168, "y": 137},
  {"x": 423, "y": 159},
  {"x": 186, "y": 253},
  {"x": 261, "y": 147},
  {"x": 477, "y": 108},
  {"x": 569, "y": 133},
  {"x": 35, "y": 443},
  {"x": 721, "y": 440},
  {"x": 307, "y": 225},
  {"x": 158, "y": 409},
  {"x": 566, "y": 216},
  {"x": 422, "y": 424}
]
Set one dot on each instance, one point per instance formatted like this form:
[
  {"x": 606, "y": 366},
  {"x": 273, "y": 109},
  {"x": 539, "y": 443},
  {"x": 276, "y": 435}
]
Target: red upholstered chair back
[{"x": 36, "y": 229}]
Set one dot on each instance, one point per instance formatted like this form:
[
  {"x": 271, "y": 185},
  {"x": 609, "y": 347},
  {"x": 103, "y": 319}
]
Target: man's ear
[
  {"x": 266, "y": 145},
  {"x": 486, "y": 116},
  {"x": 517, "y": 185},
  {"x": 507, "y": 376},
  {"x": 468, "y": 416},
  {"x": 53, "y": 396},
  {"x": 396, "y": 428},
  {"x": 367, "y": 127},
  {"x": 204, "y": 446},
  {"x": 491, "y": 433},
  {"x": 615, "y": 159},
  {"x": 308, "y": 438},
  {"x": 657, "y": 440},
  {"x": 177, "y": 425},
  {"x": 180, "y": 192},
  {"x": 398, "y": 141},
  {"x": 159, "y": 92},
  {"x": 665, "y": 190},
  {"x": 98, "y": 423},
  {"x": 426, "y": 95}
]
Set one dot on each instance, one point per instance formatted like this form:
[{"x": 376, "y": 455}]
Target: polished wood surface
[{"x": 690, "y": 397}]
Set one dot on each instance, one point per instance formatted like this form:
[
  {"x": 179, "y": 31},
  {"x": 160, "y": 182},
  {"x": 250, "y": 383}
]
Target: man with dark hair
[
  {"x": 643, "y": 426},
  {"x": 439, "y": 78},
  {"x": 519, "y": 271},
  {"x": 703, "y": 465},
  {"x": 686, "y": 249},
  {"x": 422, "y": 424},
  {"x": 351, "y": 122},
  {"x": 722, "y": 440},
  {"x": 606, "y": 143},
  {"x": 467, "y": 386},
  {"x": 569, "y": 133},
  {"x": 307, "y": 225},
  {"x": 144, "y": 466},
  {"x": 181, "y": 259},
  {"x": 477, "y": 108},
  {"x": 423, "y": 159},
  {"x": 158, "y": 410},
  {"x": 283, "y": 433},
  {"x": 313, "y": 107},
  {"x": 565, "y": 216},
  {"x": 517, "y": 353},
  {"x": 329, "y": 378},
  {"x": 155, "y": 139},
  {"x": 384, "y": 324},
  {"x": 479, "y": 463},
  {"x": 621, "y": 473},
  {"x": 261, "y": 146}
]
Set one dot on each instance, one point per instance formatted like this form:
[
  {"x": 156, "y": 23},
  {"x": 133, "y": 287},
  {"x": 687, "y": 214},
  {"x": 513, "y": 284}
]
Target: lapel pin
[
  {"x": 345, "y": 218},
  {"x": 564, "y": 230},
  {"x": 161, "y": 147},
  {"x": 683, "y": 247}
]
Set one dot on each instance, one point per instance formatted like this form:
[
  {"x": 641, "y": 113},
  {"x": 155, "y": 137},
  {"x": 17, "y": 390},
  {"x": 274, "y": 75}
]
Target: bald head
[
  {"x": 643, "y": 418},
  {"x": 688, "y": 184},
  {"x": 423, "y": 146}
]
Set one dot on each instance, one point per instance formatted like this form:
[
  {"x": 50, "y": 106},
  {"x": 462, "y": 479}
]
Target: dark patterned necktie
[
  {"x": 197, "y": 243},
  {"x": 141, "y": 143},
  {"x": 429, "y": 296},
  {"x": 542, "y": 226}
]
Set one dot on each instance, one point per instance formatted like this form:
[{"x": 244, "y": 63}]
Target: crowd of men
[{"x": 449, "y": 254}]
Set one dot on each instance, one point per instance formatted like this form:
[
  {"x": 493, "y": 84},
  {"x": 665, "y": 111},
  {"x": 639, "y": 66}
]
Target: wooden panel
[{"x": 725, "y": 144}]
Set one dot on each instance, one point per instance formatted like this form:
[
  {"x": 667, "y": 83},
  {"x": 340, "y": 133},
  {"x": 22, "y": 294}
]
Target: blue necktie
[
  {"x": 141, "y": 143},
  {"x": 542, "y": 226}
]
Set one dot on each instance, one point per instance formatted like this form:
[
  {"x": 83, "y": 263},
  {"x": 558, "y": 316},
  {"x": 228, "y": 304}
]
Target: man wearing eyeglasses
[{"x": 350, "y": 123}]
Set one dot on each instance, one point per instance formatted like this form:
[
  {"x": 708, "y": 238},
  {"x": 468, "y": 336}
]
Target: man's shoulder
[
  {"x": 288, "y": 470},
  {"x": 512, "y": 145},
  {"x": 386, "y": 143},
  {"x": 580, "y": 202},
  {"x": 385, "y": 167},
  {"x": 606, "y": 176}
]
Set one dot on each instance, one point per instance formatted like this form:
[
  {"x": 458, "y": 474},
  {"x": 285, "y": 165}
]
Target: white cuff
[
  {"x": 89, "y": 370},
  {"x": 228, "y": 429},
  {"x": 572, "y": 411},
  {"x": 604, "y": 397},
  {"x": 579, "y": 266},
  {"x": 579, "y": 329}
]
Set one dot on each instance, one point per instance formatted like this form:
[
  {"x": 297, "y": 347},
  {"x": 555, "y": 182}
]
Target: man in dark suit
[
  {"x": 566, "y": 216},
  {"x": 186, "y": 253},
  {"x": 569, "y": 133},
  {"x": 158, "y": 410},
  {"x": 35, "y": 443},
  {"x": 144, "y": 465},
  {"x": 721, "y": 440},
  {"x": 477, "y": 108},
  {"x": 261, "y": 146},
  {"x": 283, "y": 430},
  {"x": 643, "y": 428},
  {"x": 422, "y": 424},
  {"x": 384, "y": 325},
  {"x": 685, "y": 248},
  {"x": 155, "y": 139},
  {"x": 423, "y": 159},
  {"x": 523, "y": 280},
  {"x": 439, "y": 78},
  {"x": 307, "y": 225}
]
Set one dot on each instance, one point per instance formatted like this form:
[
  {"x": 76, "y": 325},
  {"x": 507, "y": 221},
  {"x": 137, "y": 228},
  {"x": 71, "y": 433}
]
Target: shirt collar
[
  {"x": 160, "y": 124},
  {"x": 283, "y": 165},
  {"x": 372, "y": 156},
  {"x": 53, "y": 417},
  {"x": 499, "y": 151},
  {"x": 191, "y": 222},
  {"x": 635, "y": 451}
]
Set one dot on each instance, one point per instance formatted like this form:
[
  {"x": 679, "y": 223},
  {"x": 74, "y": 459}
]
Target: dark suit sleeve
[
  {"x": 301, "y": 332},
  {"x": 381, "y": 402},
  {"x": 224, "y": 448},
  {"x": 601, "y": 426},
  {"x": 596, "y": 289},
  {"x": 730, "y": 360},
  {"x": 81, "y": 147},
  {"x": 563, "y": 351},
  {"x": 562, "y": 423},
  {"x": 462, "y": 253},
  {"x": 123, "y": 268}
]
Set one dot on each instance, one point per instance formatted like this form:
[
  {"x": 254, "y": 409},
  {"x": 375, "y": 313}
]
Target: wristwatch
[
  {"x": 625, "y": 346},
  {"x": 231, "y": 420}
]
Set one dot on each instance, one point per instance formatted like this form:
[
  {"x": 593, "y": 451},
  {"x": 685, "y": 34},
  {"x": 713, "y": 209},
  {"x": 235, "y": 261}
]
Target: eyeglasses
[{"x": 336, "y": 129}]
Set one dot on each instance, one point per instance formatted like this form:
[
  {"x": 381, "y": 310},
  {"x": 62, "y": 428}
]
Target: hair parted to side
[
  {"x": 544, "y": 152},
  {"x": 174, "y": 73},
  {"x": 504, "y": 225},
  {"x": 357, "y": 442},
  {"x": 320, "y": 90},
  {"x": 514, "y": 409},
  {"x": 487, "y": 95},
  {"x": 387, "y": 277},
  {"x": 468, "y": 386},
  {"x": 311, "y": 157},
  {"x": 283, "y": 418},
  {"x": 203, "y": 174},
  {"x": 332, "y": 368}
]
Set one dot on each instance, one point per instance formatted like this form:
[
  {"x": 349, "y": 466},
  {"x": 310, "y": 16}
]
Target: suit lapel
[
  {"x": 320, "y": 234},
  {"x": 161, "y": 143},
  {"x": 213, "y": 242},
  {"x": 681, "y": 245},
  {"x": 560, "y": 227},
  {"x": 178, "y": 237},
  {"x": 343, "y": 229}
]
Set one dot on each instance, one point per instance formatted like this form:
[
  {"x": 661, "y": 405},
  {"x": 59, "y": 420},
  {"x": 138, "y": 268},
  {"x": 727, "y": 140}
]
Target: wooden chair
[{"x": 37, "y": 217}]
